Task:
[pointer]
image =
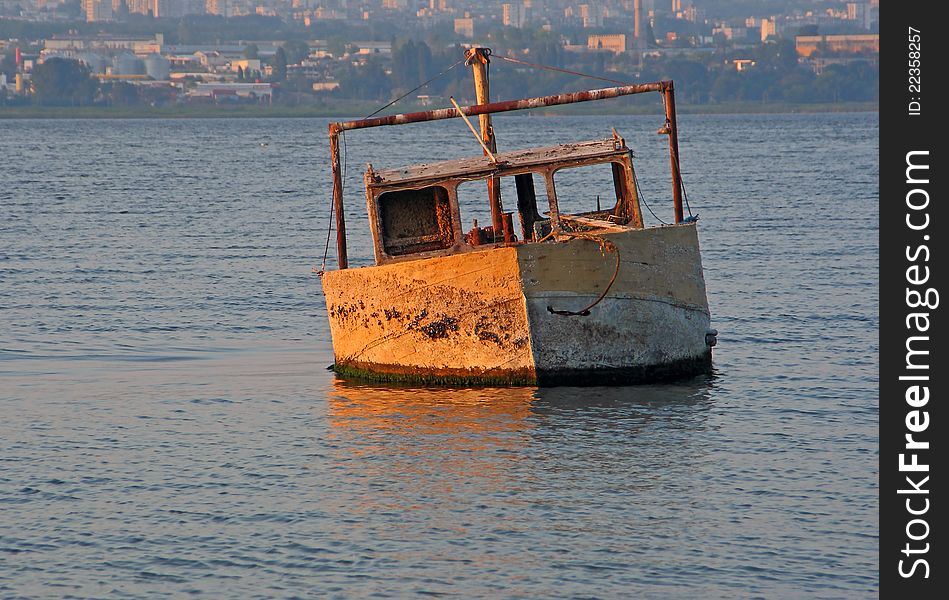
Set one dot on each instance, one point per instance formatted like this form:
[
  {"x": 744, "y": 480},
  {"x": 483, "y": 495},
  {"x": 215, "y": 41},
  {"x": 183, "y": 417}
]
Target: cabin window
[
  {"x": 527, "y": 195},
  {"x": 523, "y": 196},
  {"x": 476, "y": 212},
  {"x": 415, "y": 221},
  {"x": 591, "y": 191}
]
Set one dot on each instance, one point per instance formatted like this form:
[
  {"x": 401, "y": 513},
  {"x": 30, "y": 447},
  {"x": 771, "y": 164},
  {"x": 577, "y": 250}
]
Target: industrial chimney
[{"x": 637, "y": 12}]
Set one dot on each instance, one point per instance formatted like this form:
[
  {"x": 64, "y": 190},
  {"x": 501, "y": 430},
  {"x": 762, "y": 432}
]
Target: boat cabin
[{"x": 414, "y": 211}]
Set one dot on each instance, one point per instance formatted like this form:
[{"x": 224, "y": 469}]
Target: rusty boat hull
[{"x": 494, "y": 316}]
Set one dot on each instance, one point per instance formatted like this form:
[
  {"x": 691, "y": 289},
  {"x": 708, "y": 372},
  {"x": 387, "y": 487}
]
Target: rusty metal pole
[
  {"x": 496, "y": 107},
  {"x": 341, "y": 256},
  {"x": 478, "y": 58},
  {"x": 670, "y": 101}
]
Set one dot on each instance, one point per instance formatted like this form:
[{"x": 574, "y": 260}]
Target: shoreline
[{"x": 347, "y": 111}]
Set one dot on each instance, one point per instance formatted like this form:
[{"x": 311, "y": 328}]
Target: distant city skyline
[
  {"x": 312, "y": 51},
  {"x": 515, "y": 13}
]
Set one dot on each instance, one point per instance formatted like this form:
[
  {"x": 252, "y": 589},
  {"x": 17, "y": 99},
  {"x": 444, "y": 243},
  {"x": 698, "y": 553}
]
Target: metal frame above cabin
[{"x": 665, "y": 88}]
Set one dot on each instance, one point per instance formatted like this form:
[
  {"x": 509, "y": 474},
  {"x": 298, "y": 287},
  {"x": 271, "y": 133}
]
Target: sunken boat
[{"x": 588, "y": 298}]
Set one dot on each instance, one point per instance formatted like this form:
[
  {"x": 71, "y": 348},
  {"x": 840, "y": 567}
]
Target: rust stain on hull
[{"x": 460, "y": 316}]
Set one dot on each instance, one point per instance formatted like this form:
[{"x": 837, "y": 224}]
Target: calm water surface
[{"x": 168, "y": 426}]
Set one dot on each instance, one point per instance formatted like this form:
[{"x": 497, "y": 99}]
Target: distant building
[
  {"x": 247, "y": 65},
  {"x": 140, "y": 7},
  {"x": 589, "y": 16},
  {"x": 325, "y": 86},
  {"x": 126, "y": 64},
  {"x": 370, "y": 47},
  {"x": 465, "y": 27},
  {"x": 157, "y": 67},
  {"x": 141, "y": 45},
  {"x": 214, "y": 60},
  {"x": 769, "y": 28},
  {"x": 859, "y": 12},
  {"x": 731, "y": 33},
  {"x": 513, "y": 15},
  {"x": 806, "y": 45},
  {"x": 615, "y": 43},
  {"x": 177, "y": 8},
  {"x": 428, "y": 100},
  {"x": 638, "y": 39},
  {"x": 742, "y": 64},
  {"x": 216, "y": 7},
  {"x": 21, "y": 83},
  {"x": 818, "y": 64},
  {"x": 97, "y": 10},
  {"x": 231, "y": 92}
]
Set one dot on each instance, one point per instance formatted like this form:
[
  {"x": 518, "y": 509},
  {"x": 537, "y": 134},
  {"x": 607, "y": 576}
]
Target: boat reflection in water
[
  {"x": 494, "y": 413},
  {"x": 477, "y": 430},
  {"x": 472, "y": 420},
  {"x": 479, "y": 473}
]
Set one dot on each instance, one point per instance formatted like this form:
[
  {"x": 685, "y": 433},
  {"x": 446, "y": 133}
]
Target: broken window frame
[{"x": 625, "y": 214}]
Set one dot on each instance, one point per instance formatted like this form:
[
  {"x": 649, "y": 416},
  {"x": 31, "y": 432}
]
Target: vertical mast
[
  {"x": 669, "y": 98},
  {"x": 478, "y": 59},
  {"x": 338, "y": 208}
]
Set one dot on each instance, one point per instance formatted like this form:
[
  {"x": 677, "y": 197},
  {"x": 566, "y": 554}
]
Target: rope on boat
[
  {"x": 685, "y": 194},
  {"x": 326, "y": 250},
  {"x": 642, "y": 200},
  {"x": 416, "y": 89},
  {"x": 329, "y": 223},
  {"x": 559, "y": 70},
  {"x": 605, "y": 246}
]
